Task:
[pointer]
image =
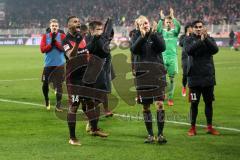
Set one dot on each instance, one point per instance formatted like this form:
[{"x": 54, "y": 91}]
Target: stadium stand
[{"x": 26, "y": 13}]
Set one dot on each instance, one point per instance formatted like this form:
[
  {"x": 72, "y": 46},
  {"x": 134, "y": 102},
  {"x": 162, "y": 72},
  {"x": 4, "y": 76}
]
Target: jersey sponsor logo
[
  {"x": 173, "y": 38},
  {"x": 150, "y": 42},
  {"x": 168, "y": 31},
  {"x": 83, "y": 51},
  {"x": 82, "y": 44}
]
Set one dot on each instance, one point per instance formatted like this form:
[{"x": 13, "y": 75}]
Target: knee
[
  {"x": 171, "y": 79},
  {"x": 146, "y": 108},
  {"x": 45, "y": 84},
  {"x": 73, "y": 109},
  {"x": 159, "y": 105},
  {"x": 194, "y": 104},
  {"x": 208, "y": 104},
  {"x": 89, "y": 104},
  {"x": 59, "y": 89}
]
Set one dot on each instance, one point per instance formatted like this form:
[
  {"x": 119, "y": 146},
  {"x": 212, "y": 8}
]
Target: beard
[{"x": 74, "y": 29}]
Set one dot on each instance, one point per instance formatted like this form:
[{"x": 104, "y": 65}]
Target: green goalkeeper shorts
[{"x": 171, "y": 65}]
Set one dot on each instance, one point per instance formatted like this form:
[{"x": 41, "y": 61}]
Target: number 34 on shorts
[{"x": 75, "y": 98}]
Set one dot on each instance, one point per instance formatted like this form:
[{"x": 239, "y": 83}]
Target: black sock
[
  {"x": 71, "y": 117},
  {"x": 147, "y": 115},
  {"x": 84, "y": 106},
  {"x": 209, "y": 112},
  {"x": 59, "y": 91},
  {"x": 105, "y": 104},
  {"x": 45, "y": 91},
  {"x": 184, "y": 81},
  {"x": 160, "y": 121},
  {"x": 72, "y": 126},
  {"x": 94, "y": 124},
  {"x": 59, "y": 98},
  {"x": 93, "y": 114},
  {"x": 194, "y": 113}
]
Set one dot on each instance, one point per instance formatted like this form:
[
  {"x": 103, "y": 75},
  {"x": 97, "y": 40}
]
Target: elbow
[
  {"x": 215, "y": 50},
  {"x": 42, "y": 50},
  {"x": 159, "y": 49},
  {"x": 132, "y": 49},
  {"x": 163, "y": 48},
  {"x": 60, "y": 48}
]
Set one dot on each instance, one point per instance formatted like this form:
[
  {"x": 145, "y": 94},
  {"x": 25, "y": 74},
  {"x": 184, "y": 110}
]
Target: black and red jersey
[
  {"x": 76, "y": 67},
  {"x": 70, "y": 41}
]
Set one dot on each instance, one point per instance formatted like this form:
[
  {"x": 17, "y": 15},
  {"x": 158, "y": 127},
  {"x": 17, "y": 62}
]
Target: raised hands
[
  {"x": 171, "y": 13},
  {"x": 154, "y": 26},
  {"x": 204, "y": 33},
  {"x": 161, "y": 14}
]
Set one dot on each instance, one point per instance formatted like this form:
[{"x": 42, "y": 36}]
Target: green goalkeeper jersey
[{"x": 170, "y": 38}]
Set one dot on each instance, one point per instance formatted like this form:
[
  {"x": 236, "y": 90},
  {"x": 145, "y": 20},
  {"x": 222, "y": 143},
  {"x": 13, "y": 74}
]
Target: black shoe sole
[
  {"x": 162, "y": 142},
  {"x": 146, "y": 142}
]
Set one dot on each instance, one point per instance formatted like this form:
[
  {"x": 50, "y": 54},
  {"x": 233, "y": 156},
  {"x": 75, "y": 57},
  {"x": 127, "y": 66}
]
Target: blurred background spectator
[{"x": 36, "y": 13}]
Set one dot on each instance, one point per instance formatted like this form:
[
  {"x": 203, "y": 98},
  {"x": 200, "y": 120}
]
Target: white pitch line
[
  {"x": 176, "y": 122},
  {"x": 13, "y": 80},
  {"x": 20, "y": 102},
  {"x": 123, "y": 116}
]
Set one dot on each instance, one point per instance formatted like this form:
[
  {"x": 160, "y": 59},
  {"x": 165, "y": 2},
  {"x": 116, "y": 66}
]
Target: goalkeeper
[{"x": 170, "y": 31}]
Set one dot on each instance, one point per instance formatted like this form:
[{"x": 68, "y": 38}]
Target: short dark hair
[
  {"x": 92, "y": 25},
  {"x": 197, "y": 21},
  {"x": 188, "y": 25},
  {"x": 71, "y": 17},
  {"x": 83, "y": 27}
]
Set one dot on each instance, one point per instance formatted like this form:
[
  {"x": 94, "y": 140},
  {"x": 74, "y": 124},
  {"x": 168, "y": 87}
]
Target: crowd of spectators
[{"x": 36, "y": 13}]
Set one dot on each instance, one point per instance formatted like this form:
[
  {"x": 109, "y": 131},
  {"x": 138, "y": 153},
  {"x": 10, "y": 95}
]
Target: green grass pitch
[{"x": 28, "y": 131}]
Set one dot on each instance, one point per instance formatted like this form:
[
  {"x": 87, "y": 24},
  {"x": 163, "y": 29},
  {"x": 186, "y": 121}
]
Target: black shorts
[
  {"x": 53, "y": 74},
  {"x": 196, "y": 92},
  {"x": 146, "y": 101},
  {"x": 148, "y": 96},
  {"x": 74, "y": 89},
  {"x": 79, "y": 92}
]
